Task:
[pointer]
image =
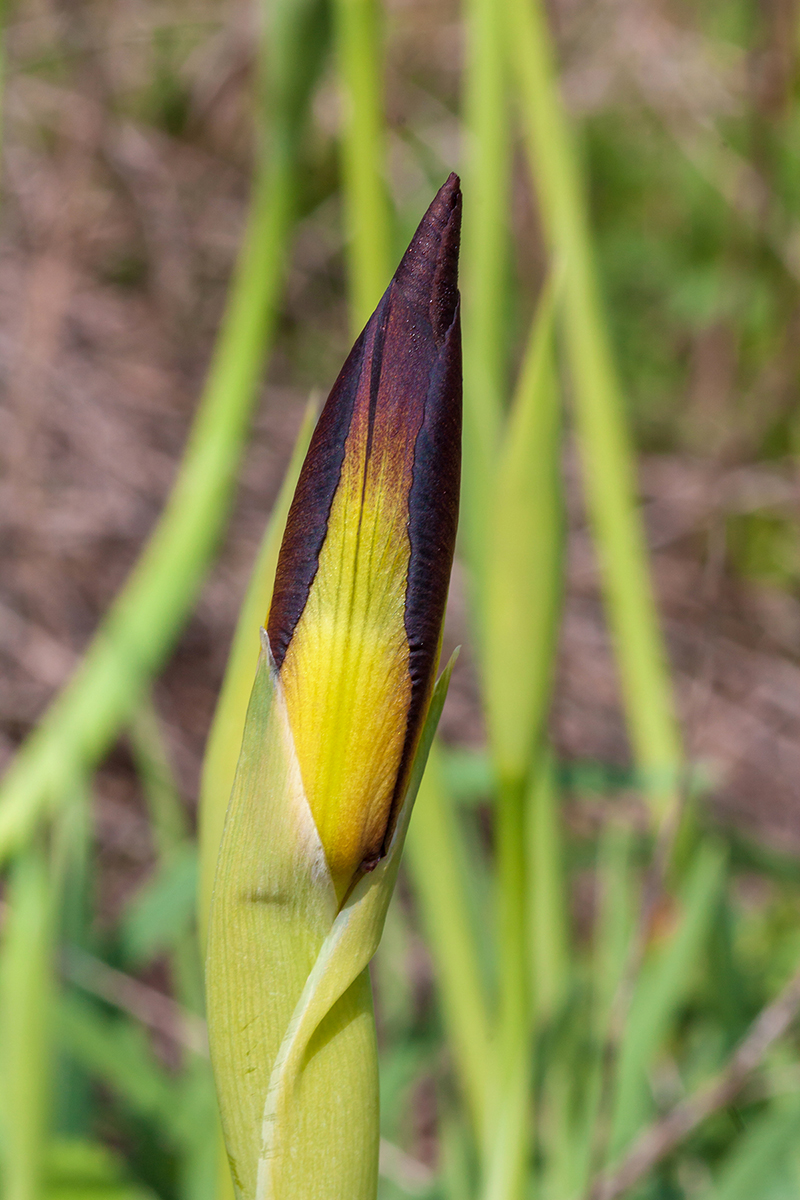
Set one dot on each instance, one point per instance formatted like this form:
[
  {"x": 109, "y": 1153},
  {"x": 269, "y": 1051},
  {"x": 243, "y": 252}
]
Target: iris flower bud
[
  {"x": 361, "y": 585},
  {"x": 341, "y": 718}
]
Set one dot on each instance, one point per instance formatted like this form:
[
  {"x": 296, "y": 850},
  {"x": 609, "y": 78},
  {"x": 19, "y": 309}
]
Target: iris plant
[{"x": 340, "y": 722}]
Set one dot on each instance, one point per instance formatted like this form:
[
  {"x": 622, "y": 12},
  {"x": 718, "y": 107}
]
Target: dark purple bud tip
[{"x": 428, "y": 272}]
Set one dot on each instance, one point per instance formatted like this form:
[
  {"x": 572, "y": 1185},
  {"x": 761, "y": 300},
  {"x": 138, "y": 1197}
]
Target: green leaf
[
  {"x": 444, "y": 885},
  {"x": 26, "y": 988},
  {"x": 600, "y": 424},
  {"x": 467, "y": 774},
  {"x": 163, "y": 910},
  {"x": 758, "y": 1166},
  {"x": 79, "y": 1170},
  {"x": 548, "y": 910},
  {"x": 662, "y": 987},
  {"x": 524, "y": 564},
  {"x": 117, "y": 1053},
  {"x": 485, "y": 273}
]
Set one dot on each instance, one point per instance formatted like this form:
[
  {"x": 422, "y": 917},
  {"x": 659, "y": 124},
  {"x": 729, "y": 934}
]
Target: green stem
[
  {"x": 524, "y": 565},
  {"x": 25, "y": 1004},
  {"x": 618, "y": 896},
  {"x": 484, "y": 273},
  {"x": 523, "y": 594},
  {"x": 167, "y": 817},
  {"x": 363, "y": 150},
  {"x": 547, "y": 896},
  {"x": 170, "y": 834},
  {"x": 507, "y": 1155},
  {"x": 604, "y": 441},
  {"x": 436, "y": 858},
  {"x": 511, "y": 907}
]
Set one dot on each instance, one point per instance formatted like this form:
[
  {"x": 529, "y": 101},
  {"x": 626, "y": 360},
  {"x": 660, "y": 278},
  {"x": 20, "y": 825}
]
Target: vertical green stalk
[
  {"x": 199, "y": 1158},
  {"x": 436, "y": 860},
  {"x": 146, "y": 618},
  {"x": 68, "y": 1084},
  {"x": 510, "y": 1094},
  {"x": 548, "y": 966},
  {"x": 604, "y": 442},
  {"x": 485, "y": 272},
  {"x": 170, "y": 834},
  {"x": 614, "y": 928},
  {"x": 523, "y": 591},
  {"x": 547, "y": 897},
  {"x": 167, "y": 818},
  {"x": 37, "y": 908},
  {"x": 25, "y": 1000},
  {"x": 523, "y": 566},
  {"x": 363, "y": 154}
]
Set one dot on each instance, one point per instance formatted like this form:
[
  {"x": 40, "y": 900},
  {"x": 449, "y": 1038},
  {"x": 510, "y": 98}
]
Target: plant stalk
[
  {"x": 363, "y": 153},
  {"x": 606, "y": 452},
  {"x": 485, "y": 272}
]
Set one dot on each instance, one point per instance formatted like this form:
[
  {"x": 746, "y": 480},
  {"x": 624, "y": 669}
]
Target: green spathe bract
[{"x": 291, "y": 1028}]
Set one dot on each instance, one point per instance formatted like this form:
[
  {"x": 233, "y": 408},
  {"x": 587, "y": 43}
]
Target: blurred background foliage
[{"x": 587, "y": 926}]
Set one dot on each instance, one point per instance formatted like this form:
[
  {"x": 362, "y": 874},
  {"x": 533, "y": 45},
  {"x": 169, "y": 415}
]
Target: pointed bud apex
[{"x": 363, "y": 572}]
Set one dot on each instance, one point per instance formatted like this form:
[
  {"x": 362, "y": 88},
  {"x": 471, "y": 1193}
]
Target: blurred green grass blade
[
  {"x": 437, "y": 861},
  {"x": 81, "y": 1170},
  {"x": 393, "y": 982},
  {"x": 363, "y": 153},
  {"x": 607, "y": 457},
  {"x": 468, "y": 774},
  {"x": 147, "y": 616},
  {"x": 165, "y": 809},
  {"x": 507, "y": 1147},
  {"x": 618, "y": 906},
  {"x": 548, "y": 905},
  {"x": 161, "y": 915},
  {"x": 614, "y": 928},
  {"x": 162, "y": 912},
  {"x": 556, "y": 1127},
  {"x": 227, "y": 728},
  {"x": 117, "y": 1054},
  {"x": 760, "y": 1155},
  {"x": 195, "y": 1132},
  {"x": 74, "y": 878},
  {"x": 180, "y": 1107},
  {"x": 524, "y": 565},
  {"x": 506, "y": 1176},
  {"x": 456, "y": 1156},
  {"x": 662, "y": 987},
  {"x": 485, "y": 274},
  {"x": 523, "y": 589},
  {"x": 26, "y": 993}
]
